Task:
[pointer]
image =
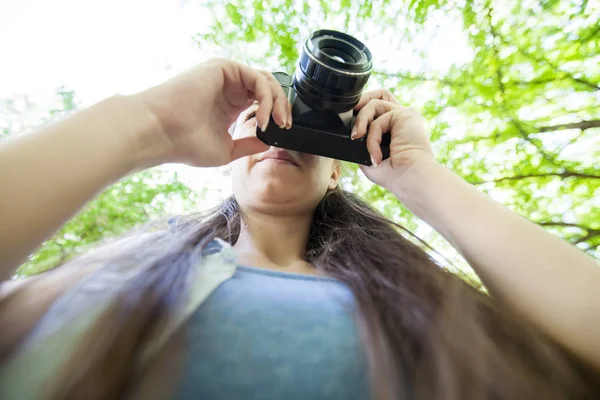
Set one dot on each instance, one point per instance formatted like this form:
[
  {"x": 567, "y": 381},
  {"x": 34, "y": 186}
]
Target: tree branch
[
  {"x": 419, "y": 78},
  {"x": 537, "y": 81},
  {"x": 457, "y": 83},
  {"x": 562, "y": 224},
  {"x": 583, "y": 125},
  {"x": 590, "y": 35},
  {"x": 568, "y": 174},
  {"x": 533, "y": 142},
  {"x": 500, "y": 81},
  {"x": 590, "y": 233},
  {"x": 542, "y": 59}
]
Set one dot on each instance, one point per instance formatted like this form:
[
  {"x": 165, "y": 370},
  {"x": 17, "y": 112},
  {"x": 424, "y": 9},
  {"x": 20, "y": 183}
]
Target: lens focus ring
[{"x": 332, "y": 71}]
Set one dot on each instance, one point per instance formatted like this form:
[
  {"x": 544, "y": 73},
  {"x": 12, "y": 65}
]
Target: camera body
[{"x": 327, "y": 84}]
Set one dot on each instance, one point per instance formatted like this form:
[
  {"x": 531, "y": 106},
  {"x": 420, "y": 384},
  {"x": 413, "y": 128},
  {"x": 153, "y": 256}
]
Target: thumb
[
  {"x": 374, "y": 174},
  {"x": 247, "y": 146},
  {"x": 368, "y": 171}
]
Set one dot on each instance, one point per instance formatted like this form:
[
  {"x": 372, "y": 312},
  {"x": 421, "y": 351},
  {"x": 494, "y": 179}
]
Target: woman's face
[{"x": 280, "y": 181}]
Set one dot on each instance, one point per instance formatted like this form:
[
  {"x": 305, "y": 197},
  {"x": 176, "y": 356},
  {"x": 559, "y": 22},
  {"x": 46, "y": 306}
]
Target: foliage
[
  {"x": 127, "y": 203},
  {"x": 519, "y": 117},
  {"x": 516, "y": 111},
  {"x": 534, "y": 84}
]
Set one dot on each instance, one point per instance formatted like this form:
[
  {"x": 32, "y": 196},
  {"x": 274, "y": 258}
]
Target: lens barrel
[{"x": 332, "y": 71}]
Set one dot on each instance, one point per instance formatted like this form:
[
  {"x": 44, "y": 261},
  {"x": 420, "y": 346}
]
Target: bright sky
[
  {"x": 96, "y": 48},
  {"x": 101, "y": 47}
]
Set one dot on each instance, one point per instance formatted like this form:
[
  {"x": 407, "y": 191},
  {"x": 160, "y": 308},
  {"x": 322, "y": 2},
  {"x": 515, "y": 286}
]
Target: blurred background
[{"x": 510, "y": 89}]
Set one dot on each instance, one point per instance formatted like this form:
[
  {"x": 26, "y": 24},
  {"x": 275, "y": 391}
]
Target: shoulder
[
  {"x": 24, "y": 301},
  {"x": 78, "y": 268}
]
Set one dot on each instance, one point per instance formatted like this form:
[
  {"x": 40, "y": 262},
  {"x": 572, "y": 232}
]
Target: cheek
[
  {"x": 321, "y": 166},
  {"x": 325, "y": 168},
  {"x": 256, "y": 183},
  {"x": 239, "y": 172},
  {"x": 318, "y": 175}
]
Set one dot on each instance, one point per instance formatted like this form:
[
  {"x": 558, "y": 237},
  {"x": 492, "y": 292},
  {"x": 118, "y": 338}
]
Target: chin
[
  {"x": 274, "y": 196},
  {"x": 275, "y": 189},
  {"x": 279, "y": 191}
]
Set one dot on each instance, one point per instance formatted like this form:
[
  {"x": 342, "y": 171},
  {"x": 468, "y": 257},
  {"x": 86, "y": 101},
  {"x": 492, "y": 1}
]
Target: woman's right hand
[{"x": 194, "y": 110}]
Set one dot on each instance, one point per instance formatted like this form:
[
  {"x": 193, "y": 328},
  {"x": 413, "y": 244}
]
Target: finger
[
  {"x": 289, "y": 121},
  {"x": 376, "y": 131},
  {"x": 378, "y": 94},
  {"x": 247, "y": 146},
  {"x": 368, "y": 113},
  {"x": 373, "y": 173},
  {"x": 280, "y": 109},
  {"x": 258, "y": 84}
]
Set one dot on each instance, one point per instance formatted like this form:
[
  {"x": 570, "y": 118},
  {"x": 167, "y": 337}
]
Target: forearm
[
  {"x": 541, "y": 276},
  {"x": 47, "y": 176}
]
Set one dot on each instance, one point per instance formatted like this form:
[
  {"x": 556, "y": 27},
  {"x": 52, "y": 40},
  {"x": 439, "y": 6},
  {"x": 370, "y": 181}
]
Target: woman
[{"x": 328, "y": 301}]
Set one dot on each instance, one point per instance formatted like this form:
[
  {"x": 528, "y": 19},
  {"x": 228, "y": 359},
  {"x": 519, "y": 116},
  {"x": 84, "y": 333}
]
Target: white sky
[
  {"x": 95, "y": 47},
  {"x": 101, "y": 47},
  {"x": 98, "y": 48}
]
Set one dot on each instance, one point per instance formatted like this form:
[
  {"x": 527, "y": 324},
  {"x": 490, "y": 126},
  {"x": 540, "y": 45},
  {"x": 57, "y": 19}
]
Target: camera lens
[{"x": 332, "y": 71}]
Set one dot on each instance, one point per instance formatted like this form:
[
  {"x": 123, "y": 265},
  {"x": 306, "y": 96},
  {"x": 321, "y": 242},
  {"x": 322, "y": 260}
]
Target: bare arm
[
  {"x": 47, "y": 176},
  {"x": 541, "y": 276}
]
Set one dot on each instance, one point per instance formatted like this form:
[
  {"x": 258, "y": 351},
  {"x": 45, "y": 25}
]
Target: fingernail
[
  {"x": 353, "y": 133},
  {"x": 264, "y": 127},
  {"x": 373, "y": 162},
  {"x": 289, "y": 122}
]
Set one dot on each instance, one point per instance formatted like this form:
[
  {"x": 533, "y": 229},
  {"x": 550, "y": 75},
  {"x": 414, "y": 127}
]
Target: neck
[{"x": 273, "y": 241}]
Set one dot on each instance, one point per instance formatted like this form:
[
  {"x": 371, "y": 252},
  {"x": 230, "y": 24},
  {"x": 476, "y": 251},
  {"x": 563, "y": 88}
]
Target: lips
[{"x": 278, "y": 155}]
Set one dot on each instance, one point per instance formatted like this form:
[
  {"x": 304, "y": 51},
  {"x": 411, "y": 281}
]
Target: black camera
[{"x": 328, "y": 82}]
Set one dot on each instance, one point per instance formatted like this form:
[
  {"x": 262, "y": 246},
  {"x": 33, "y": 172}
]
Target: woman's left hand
[{"x": 381, "y": 112}]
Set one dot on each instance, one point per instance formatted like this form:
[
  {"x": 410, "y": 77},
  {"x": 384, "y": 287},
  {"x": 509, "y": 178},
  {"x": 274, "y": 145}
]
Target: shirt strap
[{"x": 217, "y": 266}]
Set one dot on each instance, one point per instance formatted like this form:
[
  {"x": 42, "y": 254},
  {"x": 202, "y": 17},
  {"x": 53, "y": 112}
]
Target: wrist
[
  {"x": 148, "y": 145},
  {"x": 415, "y": 176},
  {"x": 410, "y": 169}
]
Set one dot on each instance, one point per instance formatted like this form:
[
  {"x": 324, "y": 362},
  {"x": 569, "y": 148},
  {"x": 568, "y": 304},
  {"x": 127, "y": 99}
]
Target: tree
[
  {"x": 519, "y": 118},
  {"x": 516, "y": 111},
  {"x": 129, "y": 202}
]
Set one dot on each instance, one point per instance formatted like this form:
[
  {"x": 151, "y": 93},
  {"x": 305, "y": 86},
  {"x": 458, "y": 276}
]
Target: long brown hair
[{"x": 427, "y": 333}]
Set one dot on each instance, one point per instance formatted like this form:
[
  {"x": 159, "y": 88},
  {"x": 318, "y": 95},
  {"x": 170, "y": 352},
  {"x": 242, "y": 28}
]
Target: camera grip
[{"x": 321, "y": 143}]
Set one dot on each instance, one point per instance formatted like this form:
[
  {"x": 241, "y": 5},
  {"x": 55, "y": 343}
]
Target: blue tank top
[
  {"x": 253, "y": 334},
  {"x": 273, "y": 335}
]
